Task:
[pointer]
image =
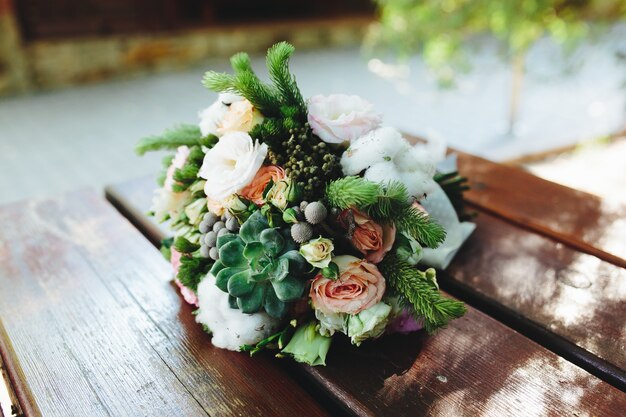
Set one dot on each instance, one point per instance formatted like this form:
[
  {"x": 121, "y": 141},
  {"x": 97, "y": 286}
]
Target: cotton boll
[
  {"x": 376, "y": 146},
  {"x": 416, "y": 159},
  {"x": 418, "y": 183},
  {"x": 230, "y": 327},
  {"x": 383, "y": 172}
]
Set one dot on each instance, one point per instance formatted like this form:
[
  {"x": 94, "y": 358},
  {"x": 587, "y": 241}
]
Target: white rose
[
  {"x": 211, "y": 117},
  {"x": 231, "y": 165},
  {"x": 338, "y": 118}
]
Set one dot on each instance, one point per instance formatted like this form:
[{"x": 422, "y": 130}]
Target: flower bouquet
[{"x": 297, "y": 221}]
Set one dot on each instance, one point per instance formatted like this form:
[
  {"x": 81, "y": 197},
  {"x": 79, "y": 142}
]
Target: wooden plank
[
  {"x": 570, "y": 295},
  {"x": 476, "y": 366},
  {"x": 581, "y": 220},
  {"x": 93, "y": 326}
]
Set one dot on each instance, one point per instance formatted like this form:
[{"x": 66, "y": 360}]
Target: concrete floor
[{"x": 59, "y": 141}]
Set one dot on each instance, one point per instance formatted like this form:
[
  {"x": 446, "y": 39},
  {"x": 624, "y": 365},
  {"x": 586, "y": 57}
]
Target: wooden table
[{"x": 91, "y": 324}]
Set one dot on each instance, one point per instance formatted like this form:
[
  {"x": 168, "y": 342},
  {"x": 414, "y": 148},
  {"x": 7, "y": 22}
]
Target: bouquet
[{"x": 297, "y": 221}]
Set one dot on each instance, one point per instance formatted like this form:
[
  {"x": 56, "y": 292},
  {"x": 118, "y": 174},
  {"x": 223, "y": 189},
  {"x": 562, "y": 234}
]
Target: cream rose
[
  {"x": 241, "y": 116},
  {"x": 339, "y": 118},
  {"x": 360, "y": 285},
  {"x": 318, "y": 252},
  {"x": 231, "y": 165},
  {"x": 278, "y": 195},
  {"x": 211, "y": 117}
]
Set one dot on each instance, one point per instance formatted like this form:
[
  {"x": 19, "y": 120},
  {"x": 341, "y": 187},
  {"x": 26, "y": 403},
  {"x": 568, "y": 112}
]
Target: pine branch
[
  {"x": 241, "y": 63},
  {"x": 193, "y": 270},
  {"x": 454, "y": 186},
  {"x": 391, "y": 202},
  {"x": 352, "y": 192},
  {"x": 219, "y": 82},
  {"x": 421, "y": 227},
  {"x": 277, "y": 62},
  {"x": 420, "y": 292},
  {"x": 183, "y": 134},
  {"x": 262, "y": 96},
  {"x": 183, "y": 245}
]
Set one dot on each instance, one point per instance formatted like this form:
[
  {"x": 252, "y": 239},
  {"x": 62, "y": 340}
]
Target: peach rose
[
  {"x": 241, "y": 116},
  {"x": 359, "y": 286},
  {"x": 370, "y": 238},
  {"x": 254, "y": 190}
]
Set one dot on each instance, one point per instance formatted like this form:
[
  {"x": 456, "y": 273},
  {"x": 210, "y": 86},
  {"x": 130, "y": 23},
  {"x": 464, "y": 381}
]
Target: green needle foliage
[
  {"x": 421, "y": 227},
  {"x": 281, "y": 100},
  {"x": 419, "y": 292},
  {"x": 454, "y": 186},
  {"x": 386, "y": 203},
  {"x": 183, "y": 134},
  {"x": 352, "y": 192},
  {"x": 278, "y": 67}
]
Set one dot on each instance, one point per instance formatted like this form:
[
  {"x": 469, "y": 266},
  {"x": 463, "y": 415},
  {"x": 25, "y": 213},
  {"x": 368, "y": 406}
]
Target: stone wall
[{"x": 44, "y": 64}]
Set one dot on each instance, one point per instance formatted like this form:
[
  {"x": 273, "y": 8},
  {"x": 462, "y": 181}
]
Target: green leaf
[
  {"x": 252, "y": 302},
  {"x": 224, "y": 275},
  {"x": 289, "y": 289},
  {"x": 331, "y": 271},
  {"x": 251, "y": 229},
  {"x": 274, "y": 307},
  {"x": 231, "y": 254},
  {"x": 239, "y": 284},
  {"x": 185, "y": 246},
  {"x": 272, "y": 241}
]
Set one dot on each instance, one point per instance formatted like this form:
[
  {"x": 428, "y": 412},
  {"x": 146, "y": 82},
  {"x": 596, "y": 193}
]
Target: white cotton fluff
[
  {"x": 230, "y": 327},
  {"x": 386, "y": 156},
  {"x": 371, "y": 148}
]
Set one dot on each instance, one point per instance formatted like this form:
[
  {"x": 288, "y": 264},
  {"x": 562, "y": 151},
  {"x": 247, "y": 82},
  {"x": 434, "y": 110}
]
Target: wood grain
[
  {"x": 477, "y": 366},
  {"x": 93, "y": 326},
  {"x": 573, "y": 295},
  {"x": 581, "y": 220}
]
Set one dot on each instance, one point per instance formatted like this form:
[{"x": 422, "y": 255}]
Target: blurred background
[{"x": 536, "y": 83}]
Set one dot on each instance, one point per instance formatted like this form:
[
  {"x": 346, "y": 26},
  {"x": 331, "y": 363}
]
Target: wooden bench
[{"x": 92, "y": 325}]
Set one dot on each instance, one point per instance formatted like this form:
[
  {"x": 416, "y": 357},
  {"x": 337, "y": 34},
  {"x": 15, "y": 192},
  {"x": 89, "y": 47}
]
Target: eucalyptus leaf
[
  {"x": 240, "y": 284},
  {"x": 231, "y": 254},
  {"x": 252, "y": 302},
  {"x": 272, "y": 241},
  {"x": 251, "y": 229},
  {"x": 289, "y": 289}
]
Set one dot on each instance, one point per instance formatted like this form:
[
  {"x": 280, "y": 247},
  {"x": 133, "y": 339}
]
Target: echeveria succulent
[{"x": 260, "y": 268}]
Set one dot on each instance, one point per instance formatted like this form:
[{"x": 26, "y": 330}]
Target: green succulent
[{"x": 260, "y": 268}]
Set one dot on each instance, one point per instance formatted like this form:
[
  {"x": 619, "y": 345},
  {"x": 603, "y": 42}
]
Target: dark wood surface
[
  {"x": 581, "y": 220},
  {"x": 92, "y": 325},
  {"x": 476, "y": 366}
]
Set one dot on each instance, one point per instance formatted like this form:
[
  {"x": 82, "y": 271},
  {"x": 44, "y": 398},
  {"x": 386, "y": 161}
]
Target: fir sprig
[
  {"x": 390, "y": 203},
  {"x": 277, "y": 62},
  {"x": 349, "y": 192},
  {"x": 454, "y": 186},
  {"x": 421, "y": 227},
  {"x": 419, "y": 292},
  {"x": 183, "y": 134},
  {"x": 192, "y": 270}
]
